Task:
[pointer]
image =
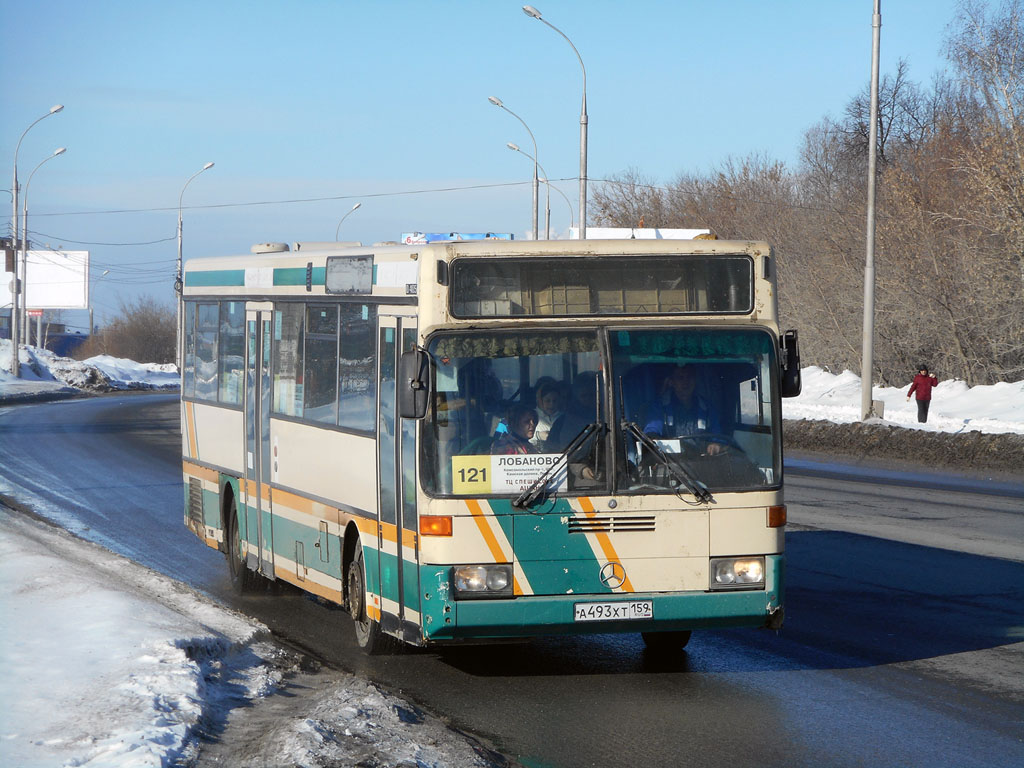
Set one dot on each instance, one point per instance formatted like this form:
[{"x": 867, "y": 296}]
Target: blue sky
[{"x": 380, "y": 102}]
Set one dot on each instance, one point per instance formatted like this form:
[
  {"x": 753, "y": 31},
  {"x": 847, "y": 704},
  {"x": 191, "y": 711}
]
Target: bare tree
[{"x": 143, "y": 331}]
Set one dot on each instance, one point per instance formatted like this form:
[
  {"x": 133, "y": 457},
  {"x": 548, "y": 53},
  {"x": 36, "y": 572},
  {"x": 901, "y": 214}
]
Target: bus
[{"x": 480, "y": 441}]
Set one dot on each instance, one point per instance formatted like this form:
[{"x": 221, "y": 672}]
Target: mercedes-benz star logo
[{"x": 613, "y": 575}]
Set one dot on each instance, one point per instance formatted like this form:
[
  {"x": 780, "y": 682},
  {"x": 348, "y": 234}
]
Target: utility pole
[{"x": 867, "y": 364}]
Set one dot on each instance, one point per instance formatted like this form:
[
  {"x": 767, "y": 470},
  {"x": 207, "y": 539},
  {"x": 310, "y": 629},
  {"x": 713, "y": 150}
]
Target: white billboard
[
  {"x": 54, "y": 280},
  {"x": 637, "y": 233}
]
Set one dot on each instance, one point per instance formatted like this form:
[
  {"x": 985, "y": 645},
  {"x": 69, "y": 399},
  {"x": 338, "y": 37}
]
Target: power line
[{"x": 295, "y": 201}]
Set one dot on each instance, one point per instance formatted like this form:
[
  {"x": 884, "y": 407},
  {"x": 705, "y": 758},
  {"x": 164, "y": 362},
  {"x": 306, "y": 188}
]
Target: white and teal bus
[{"x": 468, "y": 441}]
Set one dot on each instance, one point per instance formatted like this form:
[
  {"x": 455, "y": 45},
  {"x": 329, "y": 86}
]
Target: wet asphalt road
[{"x": 903, "y": 643}]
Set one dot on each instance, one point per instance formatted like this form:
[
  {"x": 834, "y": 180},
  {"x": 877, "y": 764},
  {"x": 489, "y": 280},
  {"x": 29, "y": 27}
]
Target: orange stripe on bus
[
  {"x": 491, "y": 540},
  {"x": 606, "y": 543},
  {"x": 203, "y": 473},
  {"x": 190, "y": 420},
  {"x": 293, "y": 501}
]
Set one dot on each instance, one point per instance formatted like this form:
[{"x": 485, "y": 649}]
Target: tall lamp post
[
  {"x": 178, "y": 284},
  {"x": 547, "y": 188},
  {"x": 15, "y": 368},
  {"x": 338, "y": 230},
  {"x": 532, "y": 12},
  {"x": 867, "y": 407},
  {"x": 497, "y": 102},
  {"x": 24, "y": 242}
]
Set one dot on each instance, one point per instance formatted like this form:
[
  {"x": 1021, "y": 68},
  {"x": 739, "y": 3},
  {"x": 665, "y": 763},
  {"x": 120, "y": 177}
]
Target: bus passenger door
[
  {"x": 258, "y": 529},
  {"x": 397, "y": 526}
]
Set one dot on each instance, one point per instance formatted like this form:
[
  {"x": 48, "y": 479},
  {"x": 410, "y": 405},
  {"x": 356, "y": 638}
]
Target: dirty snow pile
[
  {"x": 106, "y": 663},
  {"x": 44, "y": 373}
]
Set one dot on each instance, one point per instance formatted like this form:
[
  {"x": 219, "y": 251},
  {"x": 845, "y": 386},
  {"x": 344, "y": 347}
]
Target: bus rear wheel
[
  {"x": 666, "y": 642},
  {"x": 243, "y": 581},
  {"x": 369, "y": 635}
]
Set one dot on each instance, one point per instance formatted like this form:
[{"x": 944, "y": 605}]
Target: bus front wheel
[
  {"x": 666, "y": 642},
  {"x": 368, "y": 632},
  {"x": 243, "y": 581}
]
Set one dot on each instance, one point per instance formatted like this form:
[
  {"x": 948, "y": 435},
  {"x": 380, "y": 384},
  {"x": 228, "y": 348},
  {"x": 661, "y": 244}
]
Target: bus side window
[{"x": 288, "y": 360}]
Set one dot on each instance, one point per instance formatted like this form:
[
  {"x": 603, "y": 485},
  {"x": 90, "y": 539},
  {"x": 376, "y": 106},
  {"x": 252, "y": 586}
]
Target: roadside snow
[
  {"x": 106, "y": 663},
  {"x": 45, "y": 374},
  {"x": 996, "y": 408}
]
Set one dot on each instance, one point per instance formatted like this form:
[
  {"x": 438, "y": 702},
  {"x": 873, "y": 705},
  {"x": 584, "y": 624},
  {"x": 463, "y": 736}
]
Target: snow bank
[
  {"x": 45, "y": 373},
  {"x": 996, "y": 408},
  {"x": 97, "y": 671},
  {"x": 106, "y": 663}
]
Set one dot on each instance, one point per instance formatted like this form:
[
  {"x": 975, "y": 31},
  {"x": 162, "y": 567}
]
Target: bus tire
[
  {"x": 243, "y": 581},
  {"x": 369, "y": 635},
  {"x": 666, "y": 642}
]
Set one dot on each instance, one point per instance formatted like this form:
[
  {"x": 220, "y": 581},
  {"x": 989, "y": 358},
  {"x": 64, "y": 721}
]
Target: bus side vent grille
[
  {"x": 611, "y": 524},
  {"x": 195, "y": 499}
]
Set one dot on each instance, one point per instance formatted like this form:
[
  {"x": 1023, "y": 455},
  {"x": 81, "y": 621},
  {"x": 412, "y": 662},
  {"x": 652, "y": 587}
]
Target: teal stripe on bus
[
  {"x": 297, "y": 276},
  {"x": 215, "y": 277},
  {"x": 545, "y": 549}
]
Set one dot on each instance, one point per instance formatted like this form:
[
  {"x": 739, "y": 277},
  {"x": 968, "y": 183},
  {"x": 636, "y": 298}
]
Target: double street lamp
[
  {"x": 533, "y": 13},
  {"x": 498, "y": 103},
  {"x": 547, "y": 188},
  {"x": 547, "y": 180},
  {"x": 24, "y": 240},
  {"x": 15, "y": 243}
]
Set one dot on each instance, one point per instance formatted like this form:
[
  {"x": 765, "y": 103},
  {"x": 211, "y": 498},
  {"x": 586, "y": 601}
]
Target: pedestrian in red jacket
[{"x": 923, "y": 384}]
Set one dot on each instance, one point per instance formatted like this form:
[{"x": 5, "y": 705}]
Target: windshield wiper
[
  {"x": 528, "y": 496},
  {"x": 676, "y": 468}
]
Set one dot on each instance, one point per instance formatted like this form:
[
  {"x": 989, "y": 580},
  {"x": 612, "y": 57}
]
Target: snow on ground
[
  {"x": 45, "y": 374},
  {"x": 995, "y": 408},
  {"x": 106, "y": 663},
  {"x": 955, "y": 407}
]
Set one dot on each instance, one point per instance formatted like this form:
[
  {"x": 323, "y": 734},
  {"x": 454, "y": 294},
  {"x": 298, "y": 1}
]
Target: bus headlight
[
  {"x": 737, "y": 573},
  {"x": 481, "y": 581}
]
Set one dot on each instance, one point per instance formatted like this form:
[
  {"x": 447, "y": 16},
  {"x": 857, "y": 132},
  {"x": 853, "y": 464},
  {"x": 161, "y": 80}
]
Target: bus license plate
[{"x": 618, "y": 611}]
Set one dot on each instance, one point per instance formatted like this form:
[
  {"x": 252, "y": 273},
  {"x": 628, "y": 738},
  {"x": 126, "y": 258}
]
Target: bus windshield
[
  {"x": 639, "y": 408},
  {"x": 696, "y": 401}
]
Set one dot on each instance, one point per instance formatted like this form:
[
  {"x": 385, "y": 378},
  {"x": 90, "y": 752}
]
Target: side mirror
[
  {"x": 790, "y": 384},
  {"x": 413, "y": 384}
]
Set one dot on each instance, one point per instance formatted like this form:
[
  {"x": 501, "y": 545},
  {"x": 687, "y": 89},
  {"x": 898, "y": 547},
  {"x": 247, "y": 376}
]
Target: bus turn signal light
[
  {"x": 777, "y": 516},
  {"x": 435, "y": 525}
]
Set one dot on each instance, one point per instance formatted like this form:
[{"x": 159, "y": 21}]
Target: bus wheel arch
[
  {"x": 369, "y": 635},
  {"x": 243, "y": 580},
  {"x": 228, "y": 507}
]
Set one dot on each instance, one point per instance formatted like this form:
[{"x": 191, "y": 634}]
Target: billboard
[
  {"x": 420, "y": 238},
  {"x": 637, "y": 233},
  {"x": 54, "y": 279}
]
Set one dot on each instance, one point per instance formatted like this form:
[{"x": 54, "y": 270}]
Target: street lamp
[
  {"x": 338, "y": 230},
  {"x": 547, "y": 189},
  {"x": 867, "y": 406},
  {"x": 24, "y": 241},
  {"x": 14, "y": 241},
  {"x": 546, "y": 180},
  {"x": 497, "y": 102},
  {"x": 178, "y": 284},
  {"x": 91, "y": 326},
  {"x": 532, "y": 12}
]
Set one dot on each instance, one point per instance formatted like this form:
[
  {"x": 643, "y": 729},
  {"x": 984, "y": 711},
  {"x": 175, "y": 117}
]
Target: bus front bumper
[{"x": 446, "y": 619}]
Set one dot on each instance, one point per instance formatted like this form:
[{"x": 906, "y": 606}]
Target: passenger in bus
[
  {"x": 481, "y": 392},
  {"x": 581, "y": 411},
  {"x": 679, "y": 411},
  {"x": 550, "y": 405},
  {"x": 522, "y": 423}
]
